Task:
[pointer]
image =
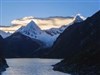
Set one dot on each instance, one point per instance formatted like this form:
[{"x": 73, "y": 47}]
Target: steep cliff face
[
  {"x": 3, "y": 63},
  {"x": 80, "y": 46}
]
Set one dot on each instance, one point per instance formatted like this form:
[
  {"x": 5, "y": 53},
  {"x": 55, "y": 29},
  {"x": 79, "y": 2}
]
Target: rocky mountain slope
[{"x": 79, "y": 44}]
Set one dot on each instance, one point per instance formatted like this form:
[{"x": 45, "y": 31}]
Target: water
[{"x": 32, "y": 67}]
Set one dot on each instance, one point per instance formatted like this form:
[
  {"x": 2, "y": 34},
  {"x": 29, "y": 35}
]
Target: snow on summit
[
  {"x": 33, "y": 31},
  {"x": 30, "y": 28},
  {"x": 79, "y": 18}
]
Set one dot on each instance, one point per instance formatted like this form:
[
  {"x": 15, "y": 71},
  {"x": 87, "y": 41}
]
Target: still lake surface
[{"x": 32, "y": 67}]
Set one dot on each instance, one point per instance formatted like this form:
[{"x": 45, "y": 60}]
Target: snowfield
[{"x": 32, "y": 67}]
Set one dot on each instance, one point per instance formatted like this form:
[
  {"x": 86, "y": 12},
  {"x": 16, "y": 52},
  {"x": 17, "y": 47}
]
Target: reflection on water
[{"x": 31, "y": 67}]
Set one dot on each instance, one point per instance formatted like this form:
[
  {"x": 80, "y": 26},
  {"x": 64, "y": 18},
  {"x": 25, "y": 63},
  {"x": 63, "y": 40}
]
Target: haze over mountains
[
  {"x": 32, "y": 37},
  {"x": 78, "y": 43},
  {"x": 34, "y": 41},
  {"x": 43, "y": 23},
  {"x": 34, "y": 30}
]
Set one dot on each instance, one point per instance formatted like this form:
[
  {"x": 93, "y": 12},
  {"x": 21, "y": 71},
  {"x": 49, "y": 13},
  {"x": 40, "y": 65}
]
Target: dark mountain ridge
[
  {"x": 19, "y": 45},
  {"x": 73, "y": 38},
  {"x": 79, "y": 44},
  {"x": 3, "y": 63}
]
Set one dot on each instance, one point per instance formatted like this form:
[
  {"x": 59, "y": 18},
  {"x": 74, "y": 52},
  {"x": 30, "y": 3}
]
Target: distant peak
[
  {"x": 79, "y": 18},
  {"x": 31, "y": 29},
  {"x": 32, "y": 24}
]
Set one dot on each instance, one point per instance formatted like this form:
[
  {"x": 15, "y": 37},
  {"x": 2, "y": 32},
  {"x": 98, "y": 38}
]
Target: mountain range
[
  {"x": 43, "y": 23},
  {"x": 77, "y": 42},
  {"x": 30, "y": 40}
]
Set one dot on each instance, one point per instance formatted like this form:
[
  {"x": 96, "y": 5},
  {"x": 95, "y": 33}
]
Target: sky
[{"x": 14, "y": 9}]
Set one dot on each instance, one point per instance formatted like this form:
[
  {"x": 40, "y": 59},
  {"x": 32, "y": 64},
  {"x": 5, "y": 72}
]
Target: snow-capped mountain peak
[
  {"x": 32, "y": 25},
  {"x": 33, "y": 31},
  {"x": 30, "y": 29},
  {"x": 79, "y": 18}
]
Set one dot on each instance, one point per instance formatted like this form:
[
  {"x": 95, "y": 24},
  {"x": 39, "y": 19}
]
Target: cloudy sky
[{"x": 13, "y": 9}]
